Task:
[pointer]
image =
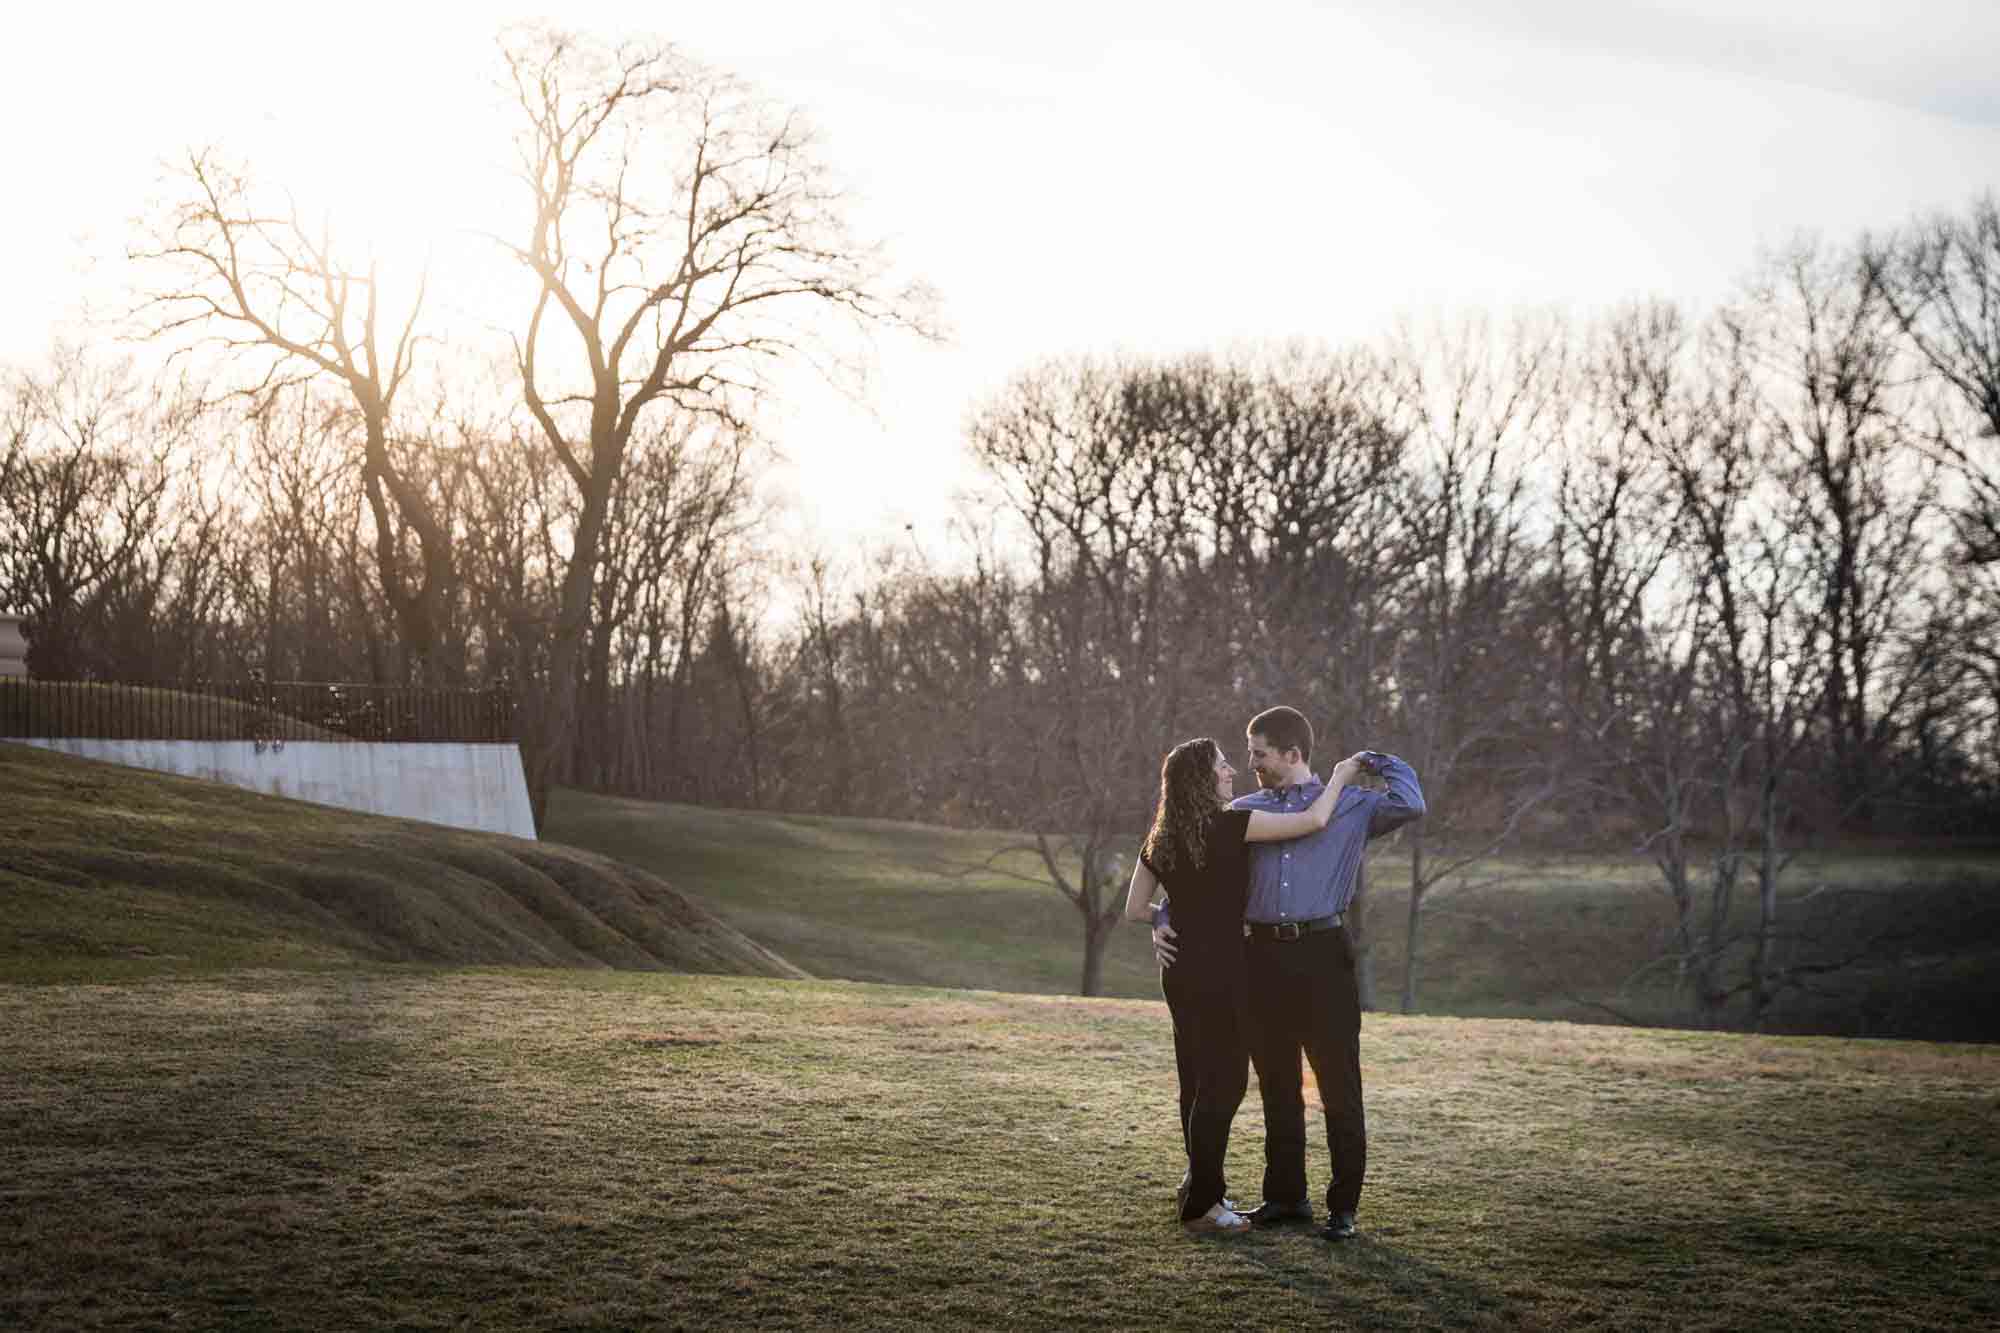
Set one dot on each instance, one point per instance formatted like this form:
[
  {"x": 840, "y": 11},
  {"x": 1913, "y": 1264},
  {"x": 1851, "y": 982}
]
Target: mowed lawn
[
  {"x": 863, "y": 899},
  {"x": 1574, "y": 936},
  {"x": 418, "y": 1148}
]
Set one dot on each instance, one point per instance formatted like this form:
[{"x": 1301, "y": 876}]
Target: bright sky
[{"x": 1077, "y": 176}]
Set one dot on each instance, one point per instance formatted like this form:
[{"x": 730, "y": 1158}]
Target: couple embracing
[{"x": 1258, "y": 965}]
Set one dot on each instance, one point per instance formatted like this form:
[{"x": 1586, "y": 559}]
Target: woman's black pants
[{"x": 1213, "y": 1056}]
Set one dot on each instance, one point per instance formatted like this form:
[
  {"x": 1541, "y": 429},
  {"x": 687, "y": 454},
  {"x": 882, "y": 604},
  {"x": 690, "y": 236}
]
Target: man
[{"x": 1304, "y": 997}]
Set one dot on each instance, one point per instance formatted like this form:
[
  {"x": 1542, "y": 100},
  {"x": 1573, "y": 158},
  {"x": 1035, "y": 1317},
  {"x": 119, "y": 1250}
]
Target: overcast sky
[{"x": 1080, "y": 175}]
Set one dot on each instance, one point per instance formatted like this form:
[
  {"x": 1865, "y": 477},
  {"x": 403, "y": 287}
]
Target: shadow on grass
[{"x": 1367, "y": 1282}]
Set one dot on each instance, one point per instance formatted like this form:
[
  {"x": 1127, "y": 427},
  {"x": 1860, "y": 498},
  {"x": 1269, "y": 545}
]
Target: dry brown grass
[{"x": 564, "y": 1149}]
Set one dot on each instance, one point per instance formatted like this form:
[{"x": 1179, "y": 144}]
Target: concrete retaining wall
[{"x": 466, "y": 786}]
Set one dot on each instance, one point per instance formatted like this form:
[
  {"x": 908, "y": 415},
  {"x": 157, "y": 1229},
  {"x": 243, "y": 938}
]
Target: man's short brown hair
[{"x": 1285, "y": 729}]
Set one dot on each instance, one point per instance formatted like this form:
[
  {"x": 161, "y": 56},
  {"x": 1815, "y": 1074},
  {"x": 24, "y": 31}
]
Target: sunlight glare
[{"x": 404, "y": 171}]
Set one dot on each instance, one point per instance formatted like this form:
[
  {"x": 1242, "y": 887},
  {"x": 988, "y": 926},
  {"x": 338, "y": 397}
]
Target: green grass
[
  {"x": 110, "y": 872},
  {"x": 1556, "y": 938},
  {"x": 237, "y": 1091},
  {"x": 1563, "y": 937},
  {"x": 421, "y": 1148},
  {"x": 861, "y": 899}
]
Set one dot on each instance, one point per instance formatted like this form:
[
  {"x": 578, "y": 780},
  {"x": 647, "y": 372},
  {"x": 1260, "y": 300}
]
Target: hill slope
[
  {"x": 1561, "y": 937},
  {"x": 108, "y": 871},
  {"x": 863, "y": 899}
]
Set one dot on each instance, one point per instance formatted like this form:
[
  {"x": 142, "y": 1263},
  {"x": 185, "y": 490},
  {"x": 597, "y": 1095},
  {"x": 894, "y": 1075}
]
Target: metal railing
[{"x": 266, "y": 712}]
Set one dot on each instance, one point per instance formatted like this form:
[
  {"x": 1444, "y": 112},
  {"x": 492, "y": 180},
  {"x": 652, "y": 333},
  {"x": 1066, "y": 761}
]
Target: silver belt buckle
[{"x": 1288, "y": 926}]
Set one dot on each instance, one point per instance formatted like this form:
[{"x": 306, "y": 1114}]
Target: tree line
[{"x": 1703, "y": 586}]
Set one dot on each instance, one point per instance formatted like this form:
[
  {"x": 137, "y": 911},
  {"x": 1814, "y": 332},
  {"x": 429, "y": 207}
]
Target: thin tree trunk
[
  {"x": 1762, "y": 964},
  {"x": 1709, "y": 993},
  {"x": 1096, "y": 936},
  {"x": 1414, "y": 922},
  {"x": 751, "y": 735}
]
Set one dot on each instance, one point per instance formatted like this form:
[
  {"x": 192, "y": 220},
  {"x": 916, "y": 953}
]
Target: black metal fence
[{"x": 267, "y": 712}]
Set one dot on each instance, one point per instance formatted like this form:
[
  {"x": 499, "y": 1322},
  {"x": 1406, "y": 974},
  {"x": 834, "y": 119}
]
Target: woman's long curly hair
[{"x": 1187, "y": 799}]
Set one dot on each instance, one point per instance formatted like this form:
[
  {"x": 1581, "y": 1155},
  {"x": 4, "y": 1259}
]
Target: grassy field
[
  {"x": 109, "y": 872},
  {"x": 115, "y": 872},
  {"x": 878, "y": 900},
  {"x": 237, "y": 1091},
  {"x": 860, "y": 899},
  {"x": 421, "y": 1148}
]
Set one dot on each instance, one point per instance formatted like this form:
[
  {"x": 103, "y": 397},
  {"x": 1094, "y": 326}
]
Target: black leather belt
[{"x": 1290, "y": 930}]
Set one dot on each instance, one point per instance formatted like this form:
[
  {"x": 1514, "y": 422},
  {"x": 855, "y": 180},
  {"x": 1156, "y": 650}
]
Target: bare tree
[
  {"x": 1757, "y": 639},
  {"x": 1614, "y": 518},
  {"x": 169, "y": 617},
  {"x": 1083, "y": 474},
  {"x": 1478, "y": 404},
  {"x": 1736, "y": 674},
  {"x": 15, "y": 428},
  {"x": 677, "y": 537},
  {"x": 237, "y": 268},
  {"x": 683, "y": 235},
  {"x": 1299, "y": 467},
  {"x": 1838, "y": 406},
  {"x": 510, "y": 555},
  {"x": 296, "y": 467},
  {"x": 1678, "y": 408},
  {"x": 1941, "y": 281},
  {"x": 729, "y": 672},
  {"x": 1203, "y": 539},
  {"x": 821, "y": 665},
  {"x": 1981, "y": 630},
  {"x": 88, "y": 472}
]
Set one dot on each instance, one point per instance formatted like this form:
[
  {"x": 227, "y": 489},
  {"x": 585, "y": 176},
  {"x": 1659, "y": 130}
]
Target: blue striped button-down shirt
[{"x": 1305, "y": 878}]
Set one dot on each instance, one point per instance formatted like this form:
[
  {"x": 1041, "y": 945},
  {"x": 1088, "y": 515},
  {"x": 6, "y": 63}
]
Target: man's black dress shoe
[
  {"x": 1269, "y": 1213},
  {"x": 1339, "y": 1226}
]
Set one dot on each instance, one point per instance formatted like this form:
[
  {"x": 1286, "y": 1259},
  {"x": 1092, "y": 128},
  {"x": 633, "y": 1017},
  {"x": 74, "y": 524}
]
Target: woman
[{"x": 1197, "y": 850}]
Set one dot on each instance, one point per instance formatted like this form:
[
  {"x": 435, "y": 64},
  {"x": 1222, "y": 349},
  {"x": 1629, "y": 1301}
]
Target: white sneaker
[
  {"x": 1181, "y": 1193},
  {"x": 1219, "y": 1220}
]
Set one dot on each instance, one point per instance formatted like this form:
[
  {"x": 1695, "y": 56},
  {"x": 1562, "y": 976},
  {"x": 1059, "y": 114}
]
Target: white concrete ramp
[{"x": 463, "y": 785}]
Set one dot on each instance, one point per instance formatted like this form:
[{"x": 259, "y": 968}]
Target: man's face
[{"x": 1272, "y": 766}]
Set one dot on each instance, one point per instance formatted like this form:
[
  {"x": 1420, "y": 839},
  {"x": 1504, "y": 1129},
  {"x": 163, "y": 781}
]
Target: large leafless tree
[
  {"x": 236, "y": 267},
  {"x": 684, "y": 235}
]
